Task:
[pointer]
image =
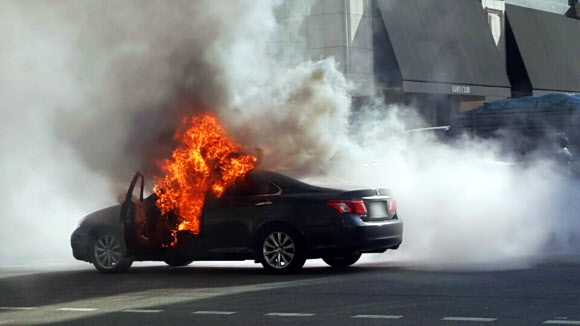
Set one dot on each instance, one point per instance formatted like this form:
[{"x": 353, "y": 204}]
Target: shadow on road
[
  {"x": 65, "y": 286},
  {"x": 333, "y": 295}
]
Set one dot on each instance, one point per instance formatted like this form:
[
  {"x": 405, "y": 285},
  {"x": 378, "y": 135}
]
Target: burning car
[
  {"x": 264, "y": 216},
  {"x": 212, "y": 204}
]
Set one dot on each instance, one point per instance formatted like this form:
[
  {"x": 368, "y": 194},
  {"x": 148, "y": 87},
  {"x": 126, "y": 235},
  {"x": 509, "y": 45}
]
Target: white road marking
[
  {"x": 54, "y": 264},
  {"x": 563, "y": 322},
  {"x": 378, "y": 316},
  {"x": 17, "y": 308},
  {"x": 7, "y": 322},
  {"x": 478, "y": 319},
  {"x": 145, "y": 311},
  {"x": 76, "y": 309},
  {"x": 207, "y": 312},
  {"x": 15, "y": 266},
  {"x": 289, "y": 314}
]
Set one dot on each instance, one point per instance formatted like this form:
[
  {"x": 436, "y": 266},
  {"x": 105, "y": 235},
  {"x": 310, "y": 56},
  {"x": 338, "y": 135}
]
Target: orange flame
[{"x": 205, "y": 159}]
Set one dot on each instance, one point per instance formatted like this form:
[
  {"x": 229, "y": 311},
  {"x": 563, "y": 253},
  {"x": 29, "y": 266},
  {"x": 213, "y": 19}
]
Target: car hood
[{"x": 109, "y": 215}]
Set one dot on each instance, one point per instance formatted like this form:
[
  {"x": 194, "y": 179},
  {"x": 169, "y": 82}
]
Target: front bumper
[{"x": 80, "y": 242}]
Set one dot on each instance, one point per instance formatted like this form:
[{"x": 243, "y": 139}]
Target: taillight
[
  {"x": 392, "y": 206},
  {"x": 348, "y": 206}
]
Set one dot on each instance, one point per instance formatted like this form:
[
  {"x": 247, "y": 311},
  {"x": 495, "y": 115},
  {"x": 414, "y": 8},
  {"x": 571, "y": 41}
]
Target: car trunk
[{"x": 377, "y": 203}]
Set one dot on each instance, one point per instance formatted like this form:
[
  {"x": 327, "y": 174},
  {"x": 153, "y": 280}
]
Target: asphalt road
[{"x": 241, "y": 293}]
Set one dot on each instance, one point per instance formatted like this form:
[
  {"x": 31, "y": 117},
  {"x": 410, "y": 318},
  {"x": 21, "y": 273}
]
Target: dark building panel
[
  {"x": 516, "y": 70},
  {"x": 386, "y": 68},
  {"x": 439, "y": 44},
  {"x": 549, "y": 45}
]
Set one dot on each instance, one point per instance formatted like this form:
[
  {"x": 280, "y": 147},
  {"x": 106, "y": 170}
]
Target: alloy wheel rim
[
  {"x": 108, "y": 251},
  {"x": 278, "y": 250}
]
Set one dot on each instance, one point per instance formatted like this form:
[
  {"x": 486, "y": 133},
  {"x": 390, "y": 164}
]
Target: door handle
[{"x": 263, "y": 203}]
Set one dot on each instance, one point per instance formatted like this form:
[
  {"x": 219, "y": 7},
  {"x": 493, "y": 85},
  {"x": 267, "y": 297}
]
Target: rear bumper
[
  {"x": 377, "y": 236},
  {"x": 355, "y": 235},
  {"x": 79, "y": 242}
]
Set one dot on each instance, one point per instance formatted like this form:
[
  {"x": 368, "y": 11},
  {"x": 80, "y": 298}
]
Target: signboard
[{"x": 460, "y": 89}]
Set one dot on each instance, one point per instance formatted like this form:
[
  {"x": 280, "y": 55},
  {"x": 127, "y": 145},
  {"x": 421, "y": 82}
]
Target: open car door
[
  {"x": 145, "y": 230},
  {"x": 133, "y": 215}
]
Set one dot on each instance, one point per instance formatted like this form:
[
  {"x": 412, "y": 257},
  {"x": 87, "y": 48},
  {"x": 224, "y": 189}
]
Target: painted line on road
[
  {"x": 478, "y": 319},
  {"x": 144, "y": 311},
  {"x": 289, "y": 314},
  {"x": 15, "y": 266},
  {"x": 378, "y": 316},
  {"x": 76, "y": 309},
  {"x": 208, "y": 312},
  {"x": 54, "y": 264},
  {"x": 562, "y": 322},
  {"x": 17, "y": 308}
]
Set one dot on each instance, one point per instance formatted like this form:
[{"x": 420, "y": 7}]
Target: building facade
[{"x": 442, "y": 56}]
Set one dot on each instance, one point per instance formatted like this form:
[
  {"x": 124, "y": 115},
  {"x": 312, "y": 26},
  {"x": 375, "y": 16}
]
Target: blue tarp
[{"x": 550, "y": 102}]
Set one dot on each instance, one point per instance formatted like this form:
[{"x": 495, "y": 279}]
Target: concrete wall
[
  {"x": 359, "y": 48},
  {"x": 331, "y": 28},
  {"x": 556, "y": 6},
  {"x": 327, "y": 31},
  {"x": 291, "y": 43}
]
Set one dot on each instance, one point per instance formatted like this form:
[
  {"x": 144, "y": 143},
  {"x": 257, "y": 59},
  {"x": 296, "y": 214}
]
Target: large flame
[{"x": 205, "y": 159}]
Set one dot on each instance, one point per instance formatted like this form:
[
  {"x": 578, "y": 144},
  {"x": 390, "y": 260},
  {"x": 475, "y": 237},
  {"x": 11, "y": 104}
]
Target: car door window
[{"x": 252, "y": 186}]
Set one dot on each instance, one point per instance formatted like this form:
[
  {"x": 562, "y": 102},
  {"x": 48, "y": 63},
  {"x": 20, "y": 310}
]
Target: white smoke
[
  {"x": 300, "y": 119},
  {"x": 464, "y": 204},
  {"x": 91, "y": 91}
]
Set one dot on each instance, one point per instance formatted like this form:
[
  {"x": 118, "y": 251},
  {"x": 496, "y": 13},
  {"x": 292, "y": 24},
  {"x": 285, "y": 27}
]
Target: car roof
[{"x": 288, "y": 184}]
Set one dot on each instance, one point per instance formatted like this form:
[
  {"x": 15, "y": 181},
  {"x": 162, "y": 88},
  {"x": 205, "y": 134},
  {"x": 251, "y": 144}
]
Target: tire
[
  {"x": 281, "y": 250},
  {"x": 177, "y": 261},
  {"x": 343, "y": 261},
  {"x": 108, "y": 253}
]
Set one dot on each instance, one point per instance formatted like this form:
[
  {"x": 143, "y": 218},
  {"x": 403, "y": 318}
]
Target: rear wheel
[
  {"x": 281, "y": 250},
  {"x": 342, "y": 261},
  {"x": 109, "y": 254},
  {"x": 177, "y": 261}
]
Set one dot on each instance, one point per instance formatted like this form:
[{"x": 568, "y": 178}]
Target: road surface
[{"x": 242, "y": 294}]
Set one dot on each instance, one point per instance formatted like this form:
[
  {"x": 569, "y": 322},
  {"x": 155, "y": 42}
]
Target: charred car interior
[{"x": 265, "y": 216}]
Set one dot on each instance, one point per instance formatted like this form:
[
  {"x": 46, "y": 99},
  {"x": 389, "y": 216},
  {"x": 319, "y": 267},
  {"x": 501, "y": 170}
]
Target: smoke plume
[{"x": 92, "y": 91}]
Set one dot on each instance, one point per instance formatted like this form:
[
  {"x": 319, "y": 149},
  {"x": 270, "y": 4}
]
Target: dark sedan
[{"x": 267, "y": 217}]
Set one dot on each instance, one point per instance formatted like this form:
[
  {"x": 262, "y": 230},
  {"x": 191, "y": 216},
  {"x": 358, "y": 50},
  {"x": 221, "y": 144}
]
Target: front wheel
[
  {"x": 281, "y": 251},
  {"x": 108, "y": 254},
  {"x": 343, "y": 261}
]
